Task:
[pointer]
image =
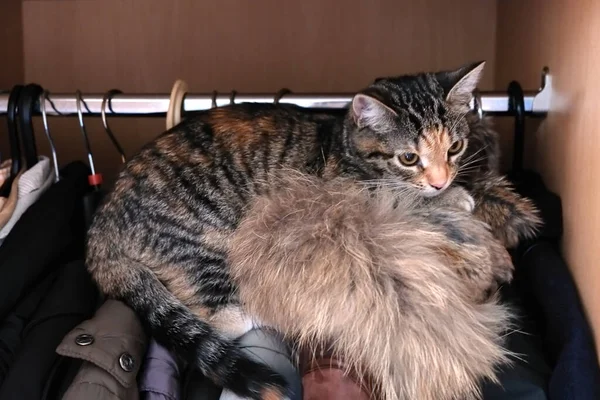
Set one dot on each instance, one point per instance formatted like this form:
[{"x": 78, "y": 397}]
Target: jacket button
[
  {"x": 84, "y": 339},
  {"x": 126, "y": 361}
]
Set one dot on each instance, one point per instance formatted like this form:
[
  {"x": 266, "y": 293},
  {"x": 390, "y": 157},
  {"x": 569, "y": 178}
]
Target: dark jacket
[
  {"x": 71, "y": 298},
  {"x": 40, "y": 298},
  {"x": 49, "y": 233}
]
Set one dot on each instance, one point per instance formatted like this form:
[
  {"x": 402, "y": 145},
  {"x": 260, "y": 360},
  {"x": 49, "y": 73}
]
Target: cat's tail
[{"x": 176, "y": 327}]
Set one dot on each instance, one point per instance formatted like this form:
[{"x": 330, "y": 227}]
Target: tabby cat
[{"x": 159, "y": 242}]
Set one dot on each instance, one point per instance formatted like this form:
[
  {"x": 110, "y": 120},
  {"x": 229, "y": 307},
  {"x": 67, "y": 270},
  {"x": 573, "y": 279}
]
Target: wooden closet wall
[
  {"x": 566, "y": 147},
  {"x": 320, "y": 45},
  {"x": 142, "y": 46}
]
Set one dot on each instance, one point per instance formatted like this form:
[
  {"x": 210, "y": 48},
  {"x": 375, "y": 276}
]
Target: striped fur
[
  {"x": 160, "y": 240},
  {"x": 404, "y": 293}
]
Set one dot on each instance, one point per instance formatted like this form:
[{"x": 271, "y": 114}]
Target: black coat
[{"x": 44, "y": 290}]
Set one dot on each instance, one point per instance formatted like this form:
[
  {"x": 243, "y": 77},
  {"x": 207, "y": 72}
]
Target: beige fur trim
[{"x": 325, "y": 263}]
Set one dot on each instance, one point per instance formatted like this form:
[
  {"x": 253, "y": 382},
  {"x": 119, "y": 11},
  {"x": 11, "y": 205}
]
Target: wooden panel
[
  {"x": 260, "y": 45},
  {"x": 533, "y": 33},
  {"x": 11, "y": 64}
]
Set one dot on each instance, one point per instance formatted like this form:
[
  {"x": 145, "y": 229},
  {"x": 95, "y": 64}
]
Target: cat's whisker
[
  {"x": 469, "y": 168},
  {"x": 472, "y": 156},
  {"x": 471, "y": 162}
]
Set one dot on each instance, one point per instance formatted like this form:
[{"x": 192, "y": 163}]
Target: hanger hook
[
  {"x": 84, "y": 132},
  {"x": 478, "y": 103},
  {"x": 214, "y": 99},
  {"x": 279, "y": 95},
  {"x": 232, "y": 97},
  {"x": 43, "y": 97},
  {"x": 106, "y": 100}
]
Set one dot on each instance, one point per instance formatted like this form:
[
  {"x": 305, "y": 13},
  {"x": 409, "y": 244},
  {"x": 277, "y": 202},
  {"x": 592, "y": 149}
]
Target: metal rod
[{"x": 536, "y": 102}]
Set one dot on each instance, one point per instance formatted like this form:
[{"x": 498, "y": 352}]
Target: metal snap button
[
  {"x": 127, "y": 362},
  {"x": 84, "y": 339}
]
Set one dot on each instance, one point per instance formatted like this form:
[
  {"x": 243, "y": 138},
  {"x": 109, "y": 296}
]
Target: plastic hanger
[
  {"x": 27, "y": 102},
  {"x": 106, "y": 101},
  {"x": 43, "y": 98},
  {"x": 13, "y": 137}
]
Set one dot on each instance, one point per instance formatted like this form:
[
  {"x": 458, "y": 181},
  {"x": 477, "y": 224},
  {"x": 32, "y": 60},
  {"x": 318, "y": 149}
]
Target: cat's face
[{"x": 412, "y": 129}]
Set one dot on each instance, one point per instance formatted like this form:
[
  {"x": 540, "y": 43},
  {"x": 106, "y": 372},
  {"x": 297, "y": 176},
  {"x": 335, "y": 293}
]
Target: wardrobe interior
[{"x": 143, "y": 46}]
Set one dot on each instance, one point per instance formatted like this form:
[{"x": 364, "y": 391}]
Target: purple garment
[{"x": 160, "y": 377}]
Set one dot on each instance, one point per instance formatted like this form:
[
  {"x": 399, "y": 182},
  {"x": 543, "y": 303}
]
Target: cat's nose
[{"x": 438, "y": 185}]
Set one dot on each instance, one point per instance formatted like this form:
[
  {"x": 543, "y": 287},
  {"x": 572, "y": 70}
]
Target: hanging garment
[
  {"x": 326, "y": 377},
  {"x": 32, "y": 184},
  {"x": 196, "y": 386},
  {"x": 527, "y": 377},
  {"x": 50, "y": 231},
  {"x": 12, "y": 327},
  {"x": 551, "y": 296},
  {"x": 7, "y": 205},
  {"x": 267, "y": 347},
  {"x": 160, "y": 378},
  {"x": 5, "y": 170},
  {"x": 112, "y": 345},
  {"x": 330, "y": 382},
  {"x": 567, "y": 335},
  {"x": 70, "y": 299},
  {"x": 4, "y": 174}
]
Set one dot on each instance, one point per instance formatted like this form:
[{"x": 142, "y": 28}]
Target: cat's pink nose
[{"x": 438, "y": 185}]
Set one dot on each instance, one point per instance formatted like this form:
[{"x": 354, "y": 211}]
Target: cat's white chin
[{"x": 431, "y": 192}]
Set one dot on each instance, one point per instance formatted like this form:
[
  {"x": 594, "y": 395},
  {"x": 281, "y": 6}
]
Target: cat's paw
[
  {"x": 467, "y": 202},
  {"x": 454, "y": 197}
]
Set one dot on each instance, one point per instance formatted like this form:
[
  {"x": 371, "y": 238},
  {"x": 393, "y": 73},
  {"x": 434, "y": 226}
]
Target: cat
[{"x": 159, "y": 241}]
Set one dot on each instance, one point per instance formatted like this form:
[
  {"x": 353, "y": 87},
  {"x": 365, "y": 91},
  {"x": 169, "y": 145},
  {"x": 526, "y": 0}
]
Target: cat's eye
[
  {"x": 456, "y": 147},
  {"x": 408, "y": 159}
]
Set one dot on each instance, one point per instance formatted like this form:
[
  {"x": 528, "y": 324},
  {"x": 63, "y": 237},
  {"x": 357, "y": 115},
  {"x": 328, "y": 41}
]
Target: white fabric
[{"x": 32, "y": 184}]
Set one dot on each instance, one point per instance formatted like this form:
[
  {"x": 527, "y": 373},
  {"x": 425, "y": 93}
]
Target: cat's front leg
[
  {"x": 455, "y": 197},
  {"x": 511, "y": 217}
]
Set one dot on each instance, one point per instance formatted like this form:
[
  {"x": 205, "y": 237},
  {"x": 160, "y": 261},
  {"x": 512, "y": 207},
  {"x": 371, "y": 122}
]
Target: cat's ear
[
  {"x": 459, "y": 84},
  {"x": 369, "y": 111}
]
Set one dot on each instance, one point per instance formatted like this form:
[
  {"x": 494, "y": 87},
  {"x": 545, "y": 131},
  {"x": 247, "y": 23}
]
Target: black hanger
[
  {"x": 516, "y": 105},
  {"x": 13, "y": 137},
  {"x": 27, "y": 102}
]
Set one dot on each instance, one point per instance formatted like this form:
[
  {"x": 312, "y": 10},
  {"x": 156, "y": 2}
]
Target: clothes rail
[{"x": 536, "y": 102}]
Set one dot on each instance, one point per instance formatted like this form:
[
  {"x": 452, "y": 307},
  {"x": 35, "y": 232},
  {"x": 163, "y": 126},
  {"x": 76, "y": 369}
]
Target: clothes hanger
[
  {"x": 95, "y": 180},
  {"x": 43, "y": 97},
  {"x": 106, "y": 101},
  {"x": 13, "y": 137},
  {"x": 214, "y": 99},
  {"x": 478, "y": 105},
  {"x": 516, "y": 104},
  {"x": 92, "y": 198},
  {"x": 27, "y": 102},
  {"x": 282, "y": 92},
  {"x": 178, "y": 92}
]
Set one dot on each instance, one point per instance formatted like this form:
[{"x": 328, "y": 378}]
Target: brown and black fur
[{"x": 160, "y": 240}]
